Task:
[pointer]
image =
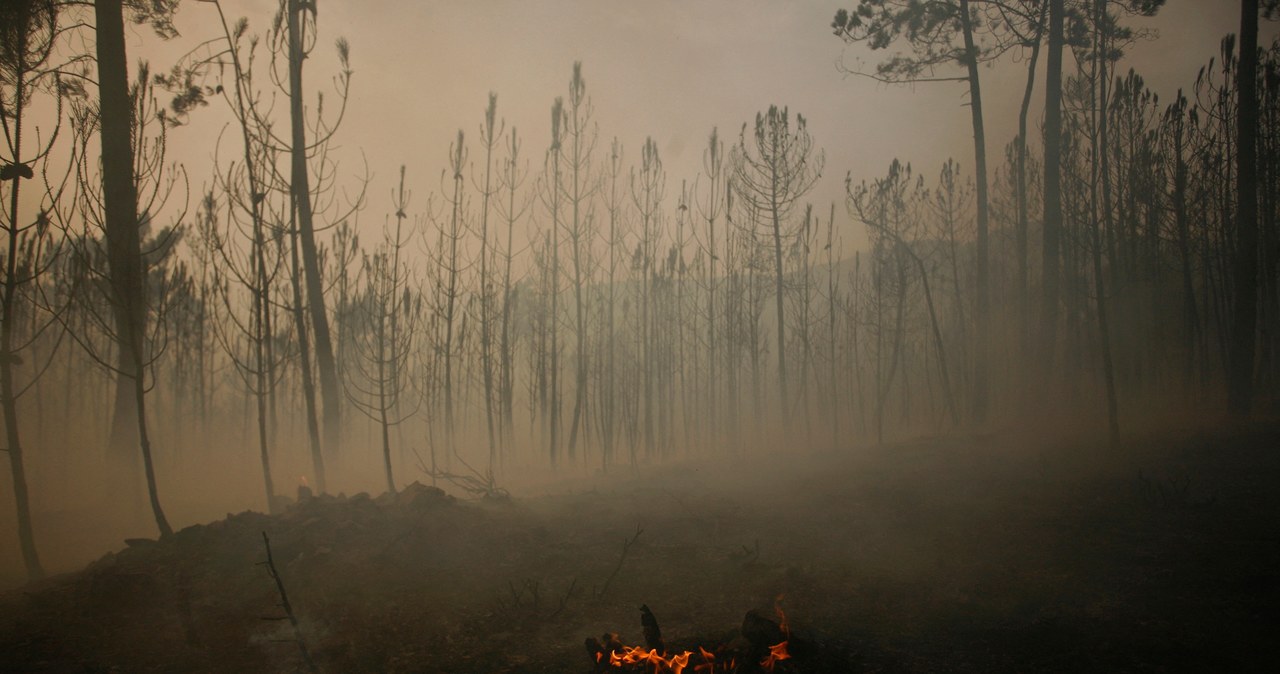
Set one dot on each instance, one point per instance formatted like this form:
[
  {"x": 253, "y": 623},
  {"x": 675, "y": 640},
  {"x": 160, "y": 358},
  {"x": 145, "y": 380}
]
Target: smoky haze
[{"x": 714, "y": 268}]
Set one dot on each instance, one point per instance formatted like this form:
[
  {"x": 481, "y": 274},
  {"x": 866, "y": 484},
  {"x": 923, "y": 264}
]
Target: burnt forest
[{"x": 662, "y": 337}]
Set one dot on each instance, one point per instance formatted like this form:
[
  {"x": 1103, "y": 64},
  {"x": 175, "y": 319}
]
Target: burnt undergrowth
[{"x": 959, "y": 554}]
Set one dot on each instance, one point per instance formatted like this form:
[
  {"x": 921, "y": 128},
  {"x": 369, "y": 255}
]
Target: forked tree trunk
[{"x": 301, "y": 192}]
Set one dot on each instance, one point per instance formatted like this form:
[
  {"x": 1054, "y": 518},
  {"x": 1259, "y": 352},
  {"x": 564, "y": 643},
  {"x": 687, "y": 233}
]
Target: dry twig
[{"x": 288, "y": 608}]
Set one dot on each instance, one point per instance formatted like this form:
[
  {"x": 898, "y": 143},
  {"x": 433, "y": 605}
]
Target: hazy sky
[{"x": 667, "y": 68}]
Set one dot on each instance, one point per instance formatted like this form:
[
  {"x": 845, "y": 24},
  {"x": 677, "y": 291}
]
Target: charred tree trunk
[
  {"x": 304, "y": 357},
  {"x": 1191, "y": 319},
  {"x": 1023, "y": 215},
  {"x": 124, "y": 248},
  {"x": 579, "y": 112},
  {"x": 13, "y": 443},
  {"x": 1245, "y": 300},
  {"x": 1099, "y": 167},
  {"x": 489, "y": 139},
  {"x": 301, "y": 192},
  {"x": 1052, "y": 187},
  {"x": 980, "y": 373}
]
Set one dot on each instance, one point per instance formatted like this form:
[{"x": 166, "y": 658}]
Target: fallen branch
[
  {"x": 1173, "y": 491},
  {"x": 288, "y": 608},
  {"x": 564, "y": 601},
  {"x": 747, "y": 556},
  {"x": 626, "y": 547},
  {"x": 480, "y": 484}
]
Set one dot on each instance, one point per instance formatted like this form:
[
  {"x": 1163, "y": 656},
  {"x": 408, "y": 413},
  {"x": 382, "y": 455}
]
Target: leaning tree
[
  {"x": 28, "y": 35},
  {"x": 939, "y": 34}
]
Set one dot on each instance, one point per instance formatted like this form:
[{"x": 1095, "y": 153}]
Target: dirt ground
[{"x": 978, "y": 554}]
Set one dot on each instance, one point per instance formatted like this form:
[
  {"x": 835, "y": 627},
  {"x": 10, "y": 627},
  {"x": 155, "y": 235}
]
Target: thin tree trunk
[
  {"x": 263, "y": 356},
  {"x": 124, "y": 252},
  {"x": 1099, "y": 167},
  {"x": 576, "y": 101},
  {"x": 948, "y": 394},
  {"x": 486, "y": 295},
  {"x": 457, "y": 161},
  {"x": 1190, "y": 316},
  {"x": 831, "y": 331},
  {"x": 1052, "y": 187},
  {"x": 980, "y": 378},
  {"x": 1245, "y": 296},
  {"x": 153, "y": 492},
  {"x": 304, "y": 360},
  {"x": 554, "y": 319},
  {"x": 22, "y": 503},
  {"x": 1023, "y": 216},
  {"x": 784, "y": 398},
  {"x": 385, "y": 299},
  {"x": 301, "y": 193},
  {"x": 506, "y": 378},
  {"x": 260, "y": 338}
]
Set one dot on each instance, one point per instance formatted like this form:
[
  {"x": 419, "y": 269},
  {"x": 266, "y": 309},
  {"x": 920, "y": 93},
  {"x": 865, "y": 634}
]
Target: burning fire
[
  {"x": 635, "y": 655},
  {"x": 782, "y": 617},
  {"x": 629, "y": 656},
  {"x": 778, "y": 652},
  {"x": 675, "y": 664},
  {"x": 709, "y": 662},
  {"x": 302, "y": 481}
]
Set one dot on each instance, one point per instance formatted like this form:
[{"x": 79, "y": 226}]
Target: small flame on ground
[
  {"x": 778, "y": 652},
  {"x": 782, "y": 617},
  {"x": 664, "y": 664},
  {"x": 625, "y": 656},
  {"x": 634, "y": 655},
  {"x": 302, "y": 481}
]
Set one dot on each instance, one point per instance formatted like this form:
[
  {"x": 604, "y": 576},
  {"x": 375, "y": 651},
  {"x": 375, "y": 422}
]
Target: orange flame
[
  {"x": 626, "y": 656},
  {"x": 708, "y": 661},
  {"x": 634, "y": 655},
  {"x": 302, "y": 480},
  {"x": 777, "y": 653},
  {"x": 782, "y": 617}
]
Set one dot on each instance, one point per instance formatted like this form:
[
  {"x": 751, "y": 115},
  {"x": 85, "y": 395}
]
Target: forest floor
[{"x": 977, "y": 554}]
